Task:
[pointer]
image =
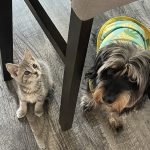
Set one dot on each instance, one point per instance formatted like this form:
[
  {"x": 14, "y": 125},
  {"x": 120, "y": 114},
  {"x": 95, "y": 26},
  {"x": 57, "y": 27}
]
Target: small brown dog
[{"x": 120, "y": 77}]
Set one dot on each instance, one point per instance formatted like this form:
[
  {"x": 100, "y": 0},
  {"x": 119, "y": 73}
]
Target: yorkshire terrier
[{"x": 120, "y": 77}]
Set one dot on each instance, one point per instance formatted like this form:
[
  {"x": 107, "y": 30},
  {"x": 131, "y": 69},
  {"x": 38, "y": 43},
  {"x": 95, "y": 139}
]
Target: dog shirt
[{"x": 123, "y": 28}]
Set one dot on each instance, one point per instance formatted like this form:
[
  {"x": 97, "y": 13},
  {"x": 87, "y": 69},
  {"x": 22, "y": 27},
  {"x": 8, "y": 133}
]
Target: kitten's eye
[
  {"x": 27, "y": 72},
  {"x": 34, "y": 66}
]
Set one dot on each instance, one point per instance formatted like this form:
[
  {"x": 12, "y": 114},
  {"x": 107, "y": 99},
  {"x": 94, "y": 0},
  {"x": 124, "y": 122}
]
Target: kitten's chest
[
  {"x": 32, "y": 98},
  {"x": 33, "y": 92}
]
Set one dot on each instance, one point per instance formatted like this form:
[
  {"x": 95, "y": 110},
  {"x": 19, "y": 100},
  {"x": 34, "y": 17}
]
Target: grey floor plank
[{"x": 14, "y": 135}]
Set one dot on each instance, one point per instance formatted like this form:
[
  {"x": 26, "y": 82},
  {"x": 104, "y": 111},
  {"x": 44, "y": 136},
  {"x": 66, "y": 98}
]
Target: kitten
[{"x": 34, "y": 80}]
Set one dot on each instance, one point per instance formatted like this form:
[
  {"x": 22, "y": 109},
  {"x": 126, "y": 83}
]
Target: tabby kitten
[{"x": 34, "y": 80}]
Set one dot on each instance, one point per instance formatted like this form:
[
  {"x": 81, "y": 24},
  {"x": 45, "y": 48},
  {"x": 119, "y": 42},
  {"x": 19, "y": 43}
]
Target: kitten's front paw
[
  {"x": 39, "y": 114},
  {"x": 86, "y": 104},
  {"x": 20, "y": 113},
  {"x": 38, "y": 110}
]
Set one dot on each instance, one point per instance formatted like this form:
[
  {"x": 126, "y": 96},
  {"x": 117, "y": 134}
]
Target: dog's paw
[
  {"x": 86, "y": 104},
  {"x": 20, "y": 113},
  {"x": 116, "y": 123}
]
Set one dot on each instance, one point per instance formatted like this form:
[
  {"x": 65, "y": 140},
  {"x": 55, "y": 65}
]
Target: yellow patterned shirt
[{"x": 123, "y": 28}]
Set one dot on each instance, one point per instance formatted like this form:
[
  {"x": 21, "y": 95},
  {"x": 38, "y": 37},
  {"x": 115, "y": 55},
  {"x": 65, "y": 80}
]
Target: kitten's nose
[{"x": 35, "y": 73}]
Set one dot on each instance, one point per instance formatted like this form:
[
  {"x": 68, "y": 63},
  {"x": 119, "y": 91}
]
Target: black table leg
[
  {"x": 78, "y": 38},
  {"x": 6, "y": 37}
]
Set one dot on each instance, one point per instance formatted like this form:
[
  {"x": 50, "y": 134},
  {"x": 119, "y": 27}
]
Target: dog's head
[{"x": 121, "y": 70}]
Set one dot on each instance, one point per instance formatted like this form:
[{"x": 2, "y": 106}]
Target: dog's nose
[{"x": 108, "y": 99}]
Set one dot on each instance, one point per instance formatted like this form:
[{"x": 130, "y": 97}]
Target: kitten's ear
[
  {"x": 12, "y": 69},
  {"x": 28, "y": 55}
]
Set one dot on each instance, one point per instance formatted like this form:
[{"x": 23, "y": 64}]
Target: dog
[{"x": 120, "y": 77}]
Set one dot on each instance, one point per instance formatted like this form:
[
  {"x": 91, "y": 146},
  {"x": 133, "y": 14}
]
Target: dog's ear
[
  {"x": 92, "y": 72},
  {"x": 147, "y": 92},
  {"x": 101, "y": 57},
  {"x": 146, "y": 56}
]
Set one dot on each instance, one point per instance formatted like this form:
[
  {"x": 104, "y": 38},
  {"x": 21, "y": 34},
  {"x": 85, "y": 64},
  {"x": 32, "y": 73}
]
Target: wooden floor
[{"x": 90, "y": 131}]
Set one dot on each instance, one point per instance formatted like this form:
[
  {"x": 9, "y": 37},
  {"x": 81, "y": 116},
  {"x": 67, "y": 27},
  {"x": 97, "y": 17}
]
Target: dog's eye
[
  {"x": 107, "y": 74},
  {"x": 27, "y": 72},
  {"x": 110, "y": 72},
  {"x": 34, "y": 66},
  {"x": 132, "y": 80}
]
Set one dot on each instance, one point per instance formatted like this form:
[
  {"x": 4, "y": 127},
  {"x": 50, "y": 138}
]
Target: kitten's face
[{"x": 27, "y": 72}]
